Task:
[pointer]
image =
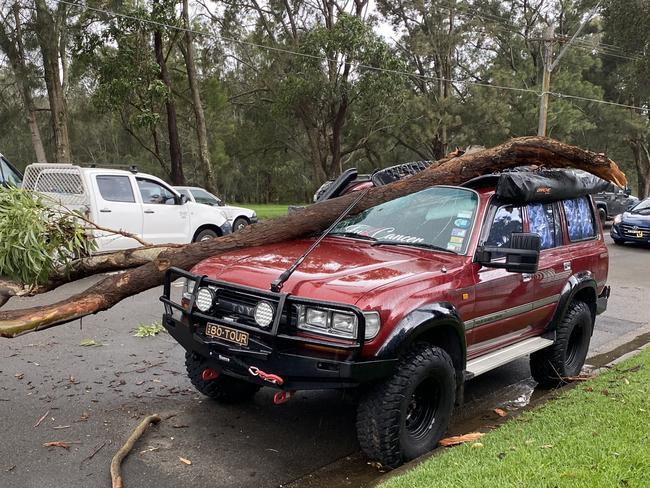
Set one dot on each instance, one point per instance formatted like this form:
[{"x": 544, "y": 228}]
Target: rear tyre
[
  {"x": 205, "y": 234},
  {"x": 405, "y": 416},
  {"x": 239, "y": 224},
  {"x": 224, "y": 389},
  {"x": 565, "y": 358}
]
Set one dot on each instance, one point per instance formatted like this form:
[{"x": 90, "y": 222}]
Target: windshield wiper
[
  {"x": 353, "y": 235},
  {"x": 413, "y": 244}
]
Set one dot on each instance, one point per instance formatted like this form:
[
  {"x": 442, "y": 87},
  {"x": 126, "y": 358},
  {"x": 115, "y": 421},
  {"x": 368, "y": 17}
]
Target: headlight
[
  {"x": 618, "y": 218},
  {"x": 336, "y": 323},
  {"x": 204, "y": 299}
]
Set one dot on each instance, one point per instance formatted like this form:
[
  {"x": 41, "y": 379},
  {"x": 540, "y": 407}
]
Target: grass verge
[
  {"x": 266, "y": 211},
  {"x": 597, "y": 434}
]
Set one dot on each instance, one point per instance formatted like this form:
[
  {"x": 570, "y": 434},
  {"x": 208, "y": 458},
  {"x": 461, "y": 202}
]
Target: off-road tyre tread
[
  {"x": 224, "y": 389},
  {"x": 378, "y": 413},
  {"x": 547, "y": 366}
]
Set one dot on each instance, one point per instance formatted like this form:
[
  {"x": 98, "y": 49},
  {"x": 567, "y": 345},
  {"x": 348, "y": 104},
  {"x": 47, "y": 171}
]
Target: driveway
[{"x": 93, "y": 397}]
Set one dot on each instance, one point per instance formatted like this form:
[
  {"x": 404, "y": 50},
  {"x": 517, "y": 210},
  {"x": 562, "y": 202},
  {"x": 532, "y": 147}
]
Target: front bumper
[
  {"x": 303, "y": 363},
  {"x": 628, "y": 233}
]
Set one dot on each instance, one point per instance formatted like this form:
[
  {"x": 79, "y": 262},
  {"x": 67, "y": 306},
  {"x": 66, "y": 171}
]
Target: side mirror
[
  {"x": 182, "y": 200},
  {"x": 521, "y": 257},
  {"x": 627, "y": 191}
]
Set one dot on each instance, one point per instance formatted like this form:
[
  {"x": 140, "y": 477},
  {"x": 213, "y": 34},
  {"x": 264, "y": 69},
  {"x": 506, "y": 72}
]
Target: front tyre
[
  {"x": 224, "y": 389},
  {"x": 239, "y": 224},
  {"x": 205, "y": 235},
  {"x": 565, "y": 358},
  {"x": 406, "y": 415}
]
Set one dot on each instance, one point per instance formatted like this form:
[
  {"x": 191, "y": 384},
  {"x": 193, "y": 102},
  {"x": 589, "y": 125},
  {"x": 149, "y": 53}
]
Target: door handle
[
  {"x": 149, "y": 211},
  {"x": 105, "y": 210}
]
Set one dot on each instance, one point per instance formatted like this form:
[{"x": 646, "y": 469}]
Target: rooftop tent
[{"x": 524, "y": 185}]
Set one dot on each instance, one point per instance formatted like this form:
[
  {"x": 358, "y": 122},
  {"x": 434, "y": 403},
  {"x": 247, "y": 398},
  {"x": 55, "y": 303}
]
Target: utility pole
[
  {"x": 550, "y": 64},
  {"x": 548, "y": 41}
]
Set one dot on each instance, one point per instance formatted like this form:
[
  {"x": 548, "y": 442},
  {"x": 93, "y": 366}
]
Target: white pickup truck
[
  {"x": 239, "y": 217},
  {"x": 137, "y": 203}
]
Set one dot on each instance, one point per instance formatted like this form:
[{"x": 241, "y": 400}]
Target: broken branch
[{"x": 116, "y": 475}]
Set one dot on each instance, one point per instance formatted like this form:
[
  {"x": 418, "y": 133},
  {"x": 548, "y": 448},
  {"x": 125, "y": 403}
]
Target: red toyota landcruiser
[{"x": 405, "y": 301}]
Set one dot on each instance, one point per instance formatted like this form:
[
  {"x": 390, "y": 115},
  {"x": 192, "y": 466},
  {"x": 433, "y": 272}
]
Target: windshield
[
  {"x": 439, "y": 216},
  {"x": 642, "y": 207},
  {"x": 202, "y": 196}
]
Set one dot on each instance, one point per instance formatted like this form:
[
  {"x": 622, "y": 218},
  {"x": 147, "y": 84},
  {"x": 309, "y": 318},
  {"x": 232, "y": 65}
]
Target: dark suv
[
  {"x": 614, "y": 201},
  {"x": 405, "y": 301}
]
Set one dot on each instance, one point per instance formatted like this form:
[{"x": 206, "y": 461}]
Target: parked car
[
  {"x": 614, "y": 201},
  {"x": 633, "y": 225},
  {"x": 9, "y": 175},
  {"x": 405, "y": 301},
  {"x": 238, "y": 217},
  {"x": 137, "y": 203}
]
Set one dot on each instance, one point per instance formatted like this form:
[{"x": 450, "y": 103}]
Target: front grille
[
  {"x": 635, "y": 231},
  {"x": 238, "y": 307}
]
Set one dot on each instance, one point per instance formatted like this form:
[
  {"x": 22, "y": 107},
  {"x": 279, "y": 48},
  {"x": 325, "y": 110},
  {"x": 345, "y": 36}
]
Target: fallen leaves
[
  {"x": 90, "y": 343},
  {"x": 461, "y": 439}
]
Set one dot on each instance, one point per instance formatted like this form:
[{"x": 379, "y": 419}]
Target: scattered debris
[
  {"x": 63, "y": 444},
  {"x": 20, "y": 376},
  {"x": 61, "y": 427},
  {"x": 500, "y": 412},
  {"x": 148, "y": 330},
  {"x": 90, "y": 343},
  {"x": 41, "y": 419},
  {"x": 460, "y": 439},
  {"x": 116, "y": 476},
  {"x": 10, "y": 468},
  {"x": 580, "y": 377},
  {"x": 477, "y": 445},
  {"x": 546, "y": 446},
  {"x": 95, "y": 451},
  {"x": 185, "y": 461},
  {"x": 83, "y": 417}
]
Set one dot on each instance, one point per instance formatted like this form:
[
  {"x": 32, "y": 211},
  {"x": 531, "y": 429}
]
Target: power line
[{"x": 324, "y": 58}]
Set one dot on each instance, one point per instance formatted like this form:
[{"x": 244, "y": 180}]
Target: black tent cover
[{"x": 527, "y": 185}]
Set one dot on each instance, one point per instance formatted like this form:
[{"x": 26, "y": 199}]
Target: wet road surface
[{"x": 95, "y": 396}]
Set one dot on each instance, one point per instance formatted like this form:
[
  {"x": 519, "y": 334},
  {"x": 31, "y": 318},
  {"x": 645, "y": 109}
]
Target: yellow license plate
[
  {"x": 639, "y": 234},
  {"x": 227, "y": 334}
]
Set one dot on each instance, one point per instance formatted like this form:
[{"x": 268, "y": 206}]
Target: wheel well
[
  {"x": 207, "y": 227},
  {"x": 587, "y": 295},
  {"x": 242, "y": 217},
  {"x": 446, "y": 337}
]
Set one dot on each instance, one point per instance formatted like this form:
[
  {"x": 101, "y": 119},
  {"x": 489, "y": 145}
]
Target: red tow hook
[
  {"x": 283, "y": 396},
  {"x": 209, "y": 374}
]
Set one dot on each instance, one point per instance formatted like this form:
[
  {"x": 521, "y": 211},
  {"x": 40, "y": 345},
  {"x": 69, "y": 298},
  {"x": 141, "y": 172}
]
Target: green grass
[
  {"x": 594, "y": 435},
  {"x": 266, "y": 211}
]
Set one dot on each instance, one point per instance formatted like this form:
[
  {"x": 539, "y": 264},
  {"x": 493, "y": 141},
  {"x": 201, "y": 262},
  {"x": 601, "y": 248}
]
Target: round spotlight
[
  {"x": 204, "y": 299},
  {"x": 263, "y": 314}
]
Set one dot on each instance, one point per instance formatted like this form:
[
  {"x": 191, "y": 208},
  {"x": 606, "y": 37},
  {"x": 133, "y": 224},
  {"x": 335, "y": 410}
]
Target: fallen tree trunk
[{"x": 451, "y": 171}]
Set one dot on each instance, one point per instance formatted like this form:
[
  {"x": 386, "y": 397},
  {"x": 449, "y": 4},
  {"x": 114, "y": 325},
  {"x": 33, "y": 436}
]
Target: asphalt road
[{"x": 93, "y": 397}]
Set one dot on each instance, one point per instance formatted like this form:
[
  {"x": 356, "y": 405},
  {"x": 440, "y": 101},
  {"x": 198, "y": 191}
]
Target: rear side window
[
  {"x": 507, "y": 220},
  {"x": 7, "y": 175},
  {"x": 115, "y": 189},
  {"x": 545, "y": 223},
  {"x": 579, "y": 218}
]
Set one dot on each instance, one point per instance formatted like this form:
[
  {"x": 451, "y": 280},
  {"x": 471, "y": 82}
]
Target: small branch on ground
[{"x": 116, "y": 475}]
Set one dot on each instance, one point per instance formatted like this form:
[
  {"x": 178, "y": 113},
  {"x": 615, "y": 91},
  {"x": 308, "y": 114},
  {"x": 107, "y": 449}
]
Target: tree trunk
[
  {"x": 175, "y": 154},
  {"x": 451, "y": 171},
  {"x": 47, "y": 32},
  {"x": 15, "y": 52},
  {"x": 642, "y": 161},
  {"x": 201, "y": 131}
]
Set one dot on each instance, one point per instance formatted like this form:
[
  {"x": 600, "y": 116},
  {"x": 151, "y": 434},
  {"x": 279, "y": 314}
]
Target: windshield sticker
[
  {"x": 456, "y": 240},
  {"x": 462, "y": 223},
  {"x": 382, "y": 234},
  {"x": 452, "y": 246},
  {"x": 458, "y": 232},
  {"x": 464, "y": 215}
]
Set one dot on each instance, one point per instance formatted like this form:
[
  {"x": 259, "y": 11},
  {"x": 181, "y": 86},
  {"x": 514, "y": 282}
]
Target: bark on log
[{"x": 451, "y": 171}]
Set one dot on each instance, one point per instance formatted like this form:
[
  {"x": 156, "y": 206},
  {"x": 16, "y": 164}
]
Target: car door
[
  {"x": 165, "y": 220},
  {"x": 116, "y": 207},
  {"x": 554, "y": 260},
  {"x": 502, "y": 312}
]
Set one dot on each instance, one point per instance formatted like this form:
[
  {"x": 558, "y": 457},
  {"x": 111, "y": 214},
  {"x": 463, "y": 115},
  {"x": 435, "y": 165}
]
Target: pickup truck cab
[
  {"x": 129, "y": 201},
  {"x": 405, "y": 301},
  {"x": 238, "y": 217}
]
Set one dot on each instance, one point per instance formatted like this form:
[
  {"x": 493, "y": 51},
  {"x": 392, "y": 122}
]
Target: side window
[
  {"x": 115, "y": 189},
  {"x": 204, "y": 197},
  {"x": 545, "y": 223},
  {"x": 153, "y": 192},
  {"x": 8, "y": 175},
  {"x": 506, "y": 221},
  {"x": 579, "y": 218}
]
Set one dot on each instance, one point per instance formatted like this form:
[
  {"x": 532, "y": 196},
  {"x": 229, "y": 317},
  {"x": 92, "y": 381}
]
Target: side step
[{"x": 502, "y": 356}]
